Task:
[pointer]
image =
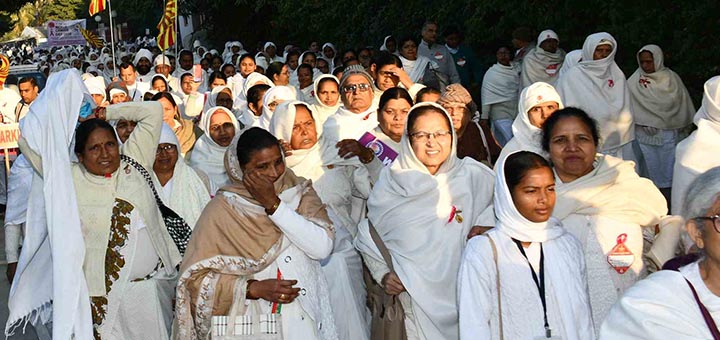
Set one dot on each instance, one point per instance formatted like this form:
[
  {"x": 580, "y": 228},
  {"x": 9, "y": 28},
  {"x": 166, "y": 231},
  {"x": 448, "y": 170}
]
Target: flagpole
[
  {"x": 176, "y": 28},
  {"x": 112, "y": 38}
]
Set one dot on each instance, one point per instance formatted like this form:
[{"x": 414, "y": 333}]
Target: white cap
[
  {"x": 96, "y": 85},
  {"x": 547, "y": 34},
  {"x": 161, "y": 60}
]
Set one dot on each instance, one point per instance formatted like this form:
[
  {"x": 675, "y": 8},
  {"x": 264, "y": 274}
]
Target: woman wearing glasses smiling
[
  {"x": 684, "y": 304},
  {"x": 422, "y": 207}
]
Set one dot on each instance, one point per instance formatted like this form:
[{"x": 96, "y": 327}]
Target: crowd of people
[{"x": 308, "y": 193}]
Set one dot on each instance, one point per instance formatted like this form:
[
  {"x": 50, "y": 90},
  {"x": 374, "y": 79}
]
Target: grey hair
[{"x": 701, "y": 195}]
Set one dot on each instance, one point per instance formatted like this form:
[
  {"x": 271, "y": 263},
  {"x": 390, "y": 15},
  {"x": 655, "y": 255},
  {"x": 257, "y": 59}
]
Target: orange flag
[
  {"x": 166, "y": 37},
  {"x": 97, "y": 6}
]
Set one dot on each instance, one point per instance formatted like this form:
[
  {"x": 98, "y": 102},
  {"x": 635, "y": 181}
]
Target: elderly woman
[
  {"x": 537, "y": 102},
  {"x": 183, "y": 189},
  {"x": 499, "y": 95},
  {"x": 294, "y": 124},
  {"x": 422, "y": 207},
  {"x": 698, "y": 153},
  {"x": 117, "y": 263},
  {"x": 186, "y": 132},
  {"x": 222, "y": 273},
  {"x": 278, "y": 73},
  {"x": 528, "y": 268},
  {"x": 662, "y": 109},
  {"x": 598, "y": 86},
  {"x": 679, "y": 304},
  {"x": 602, "y": 202},
  {"x": 415, "y": 65},
  {"x": 326, "y": 90},
  {"x": 219, "y": 126},
  {"x": 474, "y": 140}
]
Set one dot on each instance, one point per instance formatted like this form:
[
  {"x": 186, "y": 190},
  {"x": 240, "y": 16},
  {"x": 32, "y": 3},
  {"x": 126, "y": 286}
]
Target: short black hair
[
  {"x": 394, "y": 93},
  {"x": 83, "y": 131},
  {"x": 291, "y": 53},
  {"x": 31, "y": 80},
  {"x": 255, "y": 92},
  {"x": 519, "y": 163},
  {"x": 185, "y": 52},
  {"x": 273, "y": 69},
  {"x": 307, "y": 67},
  {"x": 252, "y": 141},
  {"x": 568, "y": 112},
  {"x": 218, "y": 75},
  {"x": 424, "y": 91},
  {"x": 385, "y": 58},
  {"x": 125, "y": 65},
  {"x": 246, "y": 55},
  {"x": 166, "y": 95}
]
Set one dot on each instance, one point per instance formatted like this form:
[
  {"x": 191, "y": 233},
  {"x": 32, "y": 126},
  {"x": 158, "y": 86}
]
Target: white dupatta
[
  {"x": 415, "y": 68},
  {"x": 306, "y": 163},
  {"x": 416, "y": 215},
  {"x": 209, "y": 156},
  {"x": 542, "y": 66},
  {"x": 500, "y": 84},
  {"x": 320, "y": 111},
  {"x": 659, "y": 99}
]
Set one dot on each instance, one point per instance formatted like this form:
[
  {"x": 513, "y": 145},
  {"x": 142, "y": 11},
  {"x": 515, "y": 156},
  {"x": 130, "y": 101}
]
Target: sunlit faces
[
  {"x": 118, "y": 97},
  {"x": 222, "y": 129},
  {"x": 386, "y": 78},
  {"x": 163, "y": 69},
  {"x": 282, "y": 78},
  {"x": 459, "y": 115},
  {"x": 503, "y": 56},
  {"x": 602, "y": 51},
  {"x": 28, "y": 91},
  {"x": 409, "y": 50},
  {"x": 217, "y": 82},
  {"x": 572, "y": 148},
  {"x": 292, "y": 61},
  {"x": 647, "y": 62},
  {"x": 267, "y": 162},
  {"x": 228, "y": 71},
  {"x": 540, "y": 112},
  {"x": 187, "y": 84},
  {"x": 431, "y": 139},
  {"x": 169, "y": 112},
  {"x": 304, "y": 132},
  {"x": 247, "y": 66},
  {"x": 101, "y": 155},
  {"x": 549, "y": 45},
  {"x": 392, "y": 118},
  {"x": 305, "y": 78},
  {"x": 328, "y": 92},
  {"x": 128, "y": 75},
  {"x": 359, "y": 99},
  {"x": 98, "y": 98},
  {"x": 165, "y": 158},
  {"x": 534, "y": 196},
  {"x": 159, "y": 85}
]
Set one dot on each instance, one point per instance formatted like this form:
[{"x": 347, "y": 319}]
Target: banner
[
  {"x": 61, "y": 33},
  {"x": 9, "y": 135},
  {"x": 382, "y": 151},
  {"x": 166, "y": 36}
]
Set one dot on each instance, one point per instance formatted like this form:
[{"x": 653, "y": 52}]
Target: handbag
[
  {"x": 497, "y": 284},
  {"x": 176, "y": 226},
  {"x": 257, "y": 326},
  {"x": 388, "y": 314}
]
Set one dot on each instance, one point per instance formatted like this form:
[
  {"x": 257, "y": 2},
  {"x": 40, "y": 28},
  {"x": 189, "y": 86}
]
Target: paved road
[{"x": 5, "y": 290}]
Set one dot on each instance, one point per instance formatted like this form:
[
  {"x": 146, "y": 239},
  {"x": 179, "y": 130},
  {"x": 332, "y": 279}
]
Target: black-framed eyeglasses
[
  {"x": 364, "y": 87},
  {"x": 714, "y": 219}
]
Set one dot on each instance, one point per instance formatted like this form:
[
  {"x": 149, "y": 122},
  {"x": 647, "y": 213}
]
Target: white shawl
[
  {"x": 345, "y": 125},
  {"x": 415, "y": 213},
  {"x": 659, "y": 99},
  {"x": 207, "y": 155},
  {"x": 500, "y": 84},
  {"x": 540, "y": 65},
  {"x": 415, "y": 68},
  {"x": 320, "y": 111},
  {"x": 50, "y": 282},
  {"x": 189, "y": 194},
  {"x": 526, "y": 136},
  {"x": 572, "y": 59},
  {"x": 212, "y": 97},
  {"x": 698, "y": 153},
  {"x": 599, "y": 88},
  {"x": 284, "y": 93},
  {"x": 306, "y": 163},
  {"x": 570, "y": 293}
]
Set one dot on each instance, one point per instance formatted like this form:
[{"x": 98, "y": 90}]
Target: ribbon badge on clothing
[
  {"x": 551, "y": 70},
  {"x": 461, "y": 62},
  {"x": 620, "y": 257},
  {"x": 456, "y": 214},
  {"x": 644, "y": 82},
  {"x": 611, "y": 83},
  {"x": 438, "y": 55}
]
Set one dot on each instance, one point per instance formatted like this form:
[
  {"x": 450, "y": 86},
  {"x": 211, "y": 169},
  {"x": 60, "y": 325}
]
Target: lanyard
[{"x": 540, "y": 283}]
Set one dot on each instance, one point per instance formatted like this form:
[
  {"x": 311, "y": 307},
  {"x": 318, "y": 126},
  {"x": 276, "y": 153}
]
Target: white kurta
[
  {"x": 521, "y": 306},
  {"x": 663, "y": 307}
]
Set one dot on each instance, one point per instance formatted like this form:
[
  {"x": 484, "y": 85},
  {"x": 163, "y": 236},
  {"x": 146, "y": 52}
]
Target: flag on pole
[
  {"x": 166, "y": 37},
  {"x": 91, "y": 38},
  {"x": 96, "y": 6}
]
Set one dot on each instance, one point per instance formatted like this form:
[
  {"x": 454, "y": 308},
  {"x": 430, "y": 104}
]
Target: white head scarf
[
  {"x": 416, "y": 215},
  {"x": 212, "y": 97},
  {"x": 96, "y": 85},
  {"x": 660, "y": 99},
  {"x": 276, "y": 93},
  {"x": 384, "y": 44},
  {"x": 571, "y": 60},
  {"x": 526, "y": 136},
  {"x": 599, "y": 88},
  {"x": 500, "y": 84},
  {"x": 321, "y": 111},
  {"x": 307, "y": 162},
  {"x": 541, "y": 65},
  {"x": 207, "y": 155},
  {"x": 189, "y": 194}
]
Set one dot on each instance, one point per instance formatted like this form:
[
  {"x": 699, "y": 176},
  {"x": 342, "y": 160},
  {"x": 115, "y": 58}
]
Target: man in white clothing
[
  {"x": 136, "y": 88},
  {"x": 437, "y": 53},
  {"x": 185, "y": 63},
  {"x": 143, "y": 65},
  {"x": 163, "y": 66}
]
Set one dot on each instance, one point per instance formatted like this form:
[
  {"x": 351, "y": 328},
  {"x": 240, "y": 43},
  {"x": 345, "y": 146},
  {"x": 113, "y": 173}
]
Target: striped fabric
[
  {"x": 97, "y": 6},
  {"x": 166, "y": 37}
]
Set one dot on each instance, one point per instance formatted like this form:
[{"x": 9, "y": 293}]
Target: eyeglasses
[
  {"x": 364, "y": 87},
  {"x": 715, "y": 220},
  {"x": 423, "y": 136},
  {"x": 169, "y": 148}
]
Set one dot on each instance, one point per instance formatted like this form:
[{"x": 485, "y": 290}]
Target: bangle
[
  {"x": 366, "y": 160},
  {"x": 274, "y": 207},
  {"x": 247, "y": 289}
]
